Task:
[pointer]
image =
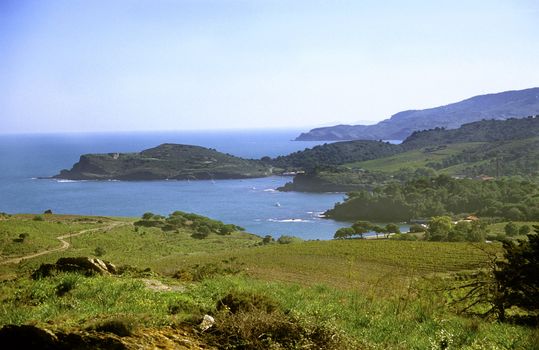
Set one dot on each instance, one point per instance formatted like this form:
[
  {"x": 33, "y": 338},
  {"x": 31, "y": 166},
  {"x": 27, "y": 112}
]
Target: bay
[{"x": 251, "y": 203}]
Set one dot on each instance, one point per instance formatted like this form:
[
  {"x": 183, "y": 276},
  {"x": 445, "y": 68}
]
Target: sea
[{"x": 251, "y": 203}]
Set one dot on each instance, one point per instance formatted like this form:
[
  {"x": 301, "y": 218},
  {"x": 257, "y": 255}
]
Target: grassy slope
[
  {"x": 373, "y": 290},
  {"x": 415, "y": 158}
]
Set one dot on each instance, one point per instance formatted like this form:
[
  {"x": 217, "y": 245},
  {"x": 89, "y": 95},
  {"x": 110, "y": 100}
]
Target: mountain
[
  {"x": 486, "y": 148},
  {"x": 167, "y": 161},
  {"x": 503, "y": 105}
]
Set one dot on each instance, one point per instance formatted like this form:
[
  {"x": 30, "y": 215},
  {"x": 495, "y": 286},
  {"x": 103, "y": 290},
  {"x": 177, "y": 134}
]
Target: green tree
[
  {"x": 344, "y": 232},
  {"x": 439, "y": 228},
  {"x": 392, "y": 228},
  {"x": 267, "y": 239},
  {"x": 361, "y": 227},
  {"x": 147, "y": 216},
  {"x": 226, "y": 229},
  {"x": 511, "y": 229},
  {"x": 459, "y": 232},
  {"x": 518, "y": 275},
  {"x": 524, "y": 230},
  {"x": 416, "y": 228},
  {"x": 378, "y": 229},
  {"x": 477, "y": 232}
]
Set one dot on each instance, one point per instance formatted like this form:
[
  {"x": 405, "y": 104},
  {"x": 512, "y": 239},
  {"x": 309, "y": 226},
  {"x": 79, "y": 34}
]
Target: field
[
  {"x": 416, "y": 158},
  {"x": 348, "y": 294}
]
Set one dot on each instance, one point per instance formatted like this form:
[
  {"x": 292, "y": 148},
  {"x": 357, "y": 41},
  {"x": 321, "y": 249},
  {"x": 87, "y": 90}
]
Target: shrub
[
  {"x": 250, "y": 320},
  {"x": 524, "y": 230},
  {"x": 511, "y": 229},
  {"x": 120, "y": 326},
  {"x": 288, "y": 239},
  {"x": 99, "y": 251},
  {"x": 38, "y": 218},
  {"x": 417, "y": 228},
  {"x": 267, "y": 239}
]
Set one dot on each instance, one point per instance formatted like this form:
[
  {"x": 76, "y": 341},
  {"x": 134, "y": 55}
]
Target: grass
[
  {"x": 41, "y": 234},
  {"x": 374, "y": 294},
  {"x": 414, "y": 159},
  {"x": 499, "y": 228}
]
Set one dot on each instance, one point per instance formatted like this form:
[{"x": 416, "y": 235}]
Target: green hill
[
  {"x": 167, "y": 161},
  {"x": 341, "y": 294},
  {"x": 489, "y": 147},
  {"x": 331, "y": 154}
]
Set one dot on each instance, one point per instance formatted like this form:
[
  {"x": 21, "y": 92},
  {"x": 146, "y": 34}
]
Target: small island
[{"x": 167, "y": 161}]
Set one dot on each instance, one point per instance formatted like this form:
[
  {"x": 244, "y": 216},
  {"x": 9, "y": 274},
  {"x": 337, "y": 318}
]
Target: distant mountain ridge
[{"x": 500, "y": 106}]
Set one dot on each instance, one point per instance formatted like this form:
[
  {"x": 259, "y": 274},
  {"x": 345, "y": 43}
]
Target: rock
[
  {"x": 207, "y": 323},
  {"x": 111, "y": 267},
  {"x": 88, "y": 341},
  {"x": 27, "y": 337},
  {"x": 85, "y": 265}
]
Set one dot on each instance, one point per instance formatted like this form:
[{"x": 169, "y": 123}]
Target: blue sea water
[{"x": 253, "y": 203}]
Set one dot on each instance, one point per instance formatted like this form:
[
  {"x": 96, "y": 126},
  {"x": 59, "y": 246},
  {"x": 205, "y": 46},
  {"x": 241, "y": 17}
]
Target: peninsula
[{"x": 167, "y": 161}]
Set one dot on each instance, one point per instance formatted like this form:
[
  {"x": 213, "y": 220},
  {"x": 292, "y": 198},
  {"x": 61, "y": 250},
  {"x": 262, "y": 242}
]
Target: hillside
[
  {"x": 488, "y": 147},
  {"x": 482, "y": 131},
  {"x": 340, "y": 294},
  {"x": 167, "y": 161},
  {"x": 335, "y": 154},
  {"x": 442, "y": 195},
  {"x": 503, "y": 105}
]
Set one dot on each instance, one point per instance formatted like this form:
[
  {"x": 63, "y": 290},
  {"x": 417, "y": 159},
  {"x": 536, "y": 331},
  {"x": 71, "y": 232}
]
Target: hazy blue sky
[{"x": 96, "y": 65}]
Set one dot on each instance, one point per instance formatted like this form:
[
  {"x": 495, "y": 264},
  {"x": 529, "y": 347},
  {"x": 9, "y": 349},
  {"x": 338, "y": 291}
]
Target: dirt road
[{"x": 65, "y": 244}]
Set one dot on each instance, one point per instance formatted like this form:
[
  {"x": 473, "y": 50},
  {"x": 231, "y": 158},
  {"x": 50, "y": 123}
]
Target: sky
[{"x": 145, "y": 65}]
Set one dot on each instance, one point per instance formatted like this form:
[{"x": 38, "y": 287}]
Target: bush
[
  {"x": 250, "y": 320},
  {"x": 122, "y": 327},
  {"x": 417, "y": 228},
  {"x": 403, "y": 237},
  {"x": 38, "y": 218},
  {"x": 99, "y": 251},
  {"x": 288, "y": 239},
  {"x": 267, "y": 239},
  {"x": 524, "y": 230},
  {"x": 511, "y": 229}
]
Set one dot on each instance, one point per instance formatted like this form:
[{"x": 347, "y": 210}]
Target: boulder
[
  {"x": 27, "y": 337},
  {"x": 207, "y": 323},
  {"x": 87, "y": 266}
]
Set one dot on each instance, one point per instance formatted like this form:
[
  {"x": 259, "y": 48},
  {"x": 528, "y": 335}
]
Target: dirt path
[{"x": 65, "y": 244}]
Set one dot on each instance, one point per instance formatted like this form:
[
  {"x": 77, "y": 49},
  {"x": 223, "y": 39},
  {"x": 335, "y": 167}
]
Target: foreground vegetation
[{"x": 343, "y": 294}]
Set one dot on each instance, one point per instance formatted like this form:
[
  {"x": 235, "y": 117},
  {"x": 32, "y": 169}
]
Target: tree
[
  {"x": 344, "y": 232},
  {"x": 378, "y": 229},
  {"x": 267, "y": 239},
  {"x": 478, "y": 232},
  {"x": 416, "y": 228},
  {"x": 147, "y": 216},
  {"x": 439, "y": 228},
  {"x": 511, "y": 229},
  {"x": 524, "y": 230},
  {"x": 518, "y": 274},
  {"x": 392, "y": 228},
  {"x": 361, "y": 227},
  {"x": 226, "y": 229}
]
